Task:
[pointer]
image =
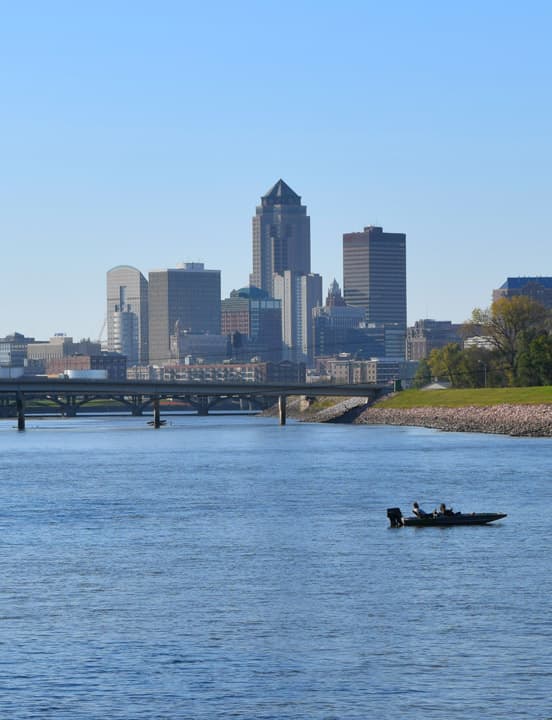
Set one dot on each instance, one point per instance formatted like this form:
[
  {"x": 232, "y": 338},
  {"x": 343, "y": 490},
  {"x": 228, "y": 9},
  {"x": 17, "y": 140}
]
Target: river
[{"x": 227, "y": 567}]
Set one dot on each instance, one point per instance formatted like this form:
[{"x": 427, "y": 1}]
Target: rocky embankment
[
  {"x": 517, "y": 420},
  {"x": 342, "y": 411}
]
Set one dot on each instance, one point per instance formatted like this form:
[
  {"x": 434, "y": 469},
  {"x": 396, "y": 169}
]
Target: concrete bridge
[{"x": 137, "y": 395}]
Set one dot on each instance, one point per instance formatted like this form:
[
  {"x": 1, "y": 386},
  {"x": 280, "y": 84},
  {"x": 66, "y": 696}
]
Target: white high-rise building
[
  {"x": 299, "y": 295},
  {"x": 127, "y": 313}
]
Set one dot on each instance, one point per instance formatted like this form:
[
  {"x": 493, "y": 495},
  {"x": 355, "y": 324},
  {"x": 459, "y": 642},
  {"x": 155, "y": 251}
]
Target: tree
[
  {"x": 447, "y": 362},
  {"x": 508, "y": 325},
  {"x": 476, "y": 367},
  {"x": 540, "y": 359},
  {"x": 423, "y": 374}
]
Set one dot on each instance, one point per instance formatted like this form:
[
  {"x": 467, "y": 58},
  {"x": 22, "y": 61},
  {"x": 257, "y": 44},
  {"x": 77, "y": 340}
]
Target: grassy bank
[{"x": 480, "y": 397}]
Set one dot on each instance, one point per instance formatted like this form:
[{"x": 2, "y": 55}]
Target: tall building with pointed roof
[
  {"x": 334, "y": 297},
  {"x": 281, "y": 236}
]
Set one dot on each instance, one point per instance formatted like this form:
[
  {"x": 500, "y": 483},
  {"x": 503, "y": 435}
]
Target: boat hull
[{"x": 449, "y": 520}]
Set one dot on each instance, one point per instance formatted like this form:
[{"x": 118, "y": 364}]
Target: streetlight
[{"x": 484, "y": 372}]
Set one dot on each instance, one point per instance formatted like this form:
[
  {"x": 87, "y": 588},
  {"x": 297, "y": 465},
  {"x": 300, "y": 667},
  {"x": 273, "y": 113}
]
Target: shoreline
[{"x": 513, "y": 420}]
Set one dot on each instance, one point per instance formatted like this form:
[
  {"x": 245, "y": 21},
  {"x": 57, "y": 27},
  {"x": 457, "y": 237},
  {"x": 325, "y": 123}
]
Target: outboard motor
[{"x": 395, "y": 517}]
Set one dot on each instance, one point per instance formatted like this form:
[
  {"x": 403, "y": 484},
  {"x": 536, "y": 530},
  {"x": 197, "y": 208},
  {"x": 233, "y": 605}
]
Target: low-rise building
[
  {"x": 114, "y": 364},
  {"x": 39, "y": 354},
  {"x": 253, "y": 372},
  {"x": 209, "y": 347},
  {"x": 426, "y": 335},
  {"x": 346, "y": 370},
  {"x": 13, "y": 355},
  {"x": 536, "y": 288}
]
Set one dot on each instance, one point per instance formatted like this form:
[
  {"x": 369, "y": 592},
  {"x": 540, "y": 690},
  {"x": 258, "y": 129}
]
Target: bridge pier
[
  {"x": 282, "y": 409},
  {"x": 156, "y": 413},
  {"x": 137, "y": 405},
  {"x": 203, "y": 406},
  {"x": 20, "y": 405}
]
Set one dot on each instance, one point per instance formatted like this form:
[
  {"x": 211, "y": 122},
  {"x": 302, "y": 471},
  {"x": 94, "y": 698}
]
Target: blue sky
[{"x": 144, "y": 133}]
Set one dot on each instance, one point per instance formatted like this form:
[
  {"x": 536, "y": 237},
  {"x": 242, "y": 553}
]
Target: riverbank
[
  {"x": 507, "y": 419},
  {"x": 478, "y": 410}
]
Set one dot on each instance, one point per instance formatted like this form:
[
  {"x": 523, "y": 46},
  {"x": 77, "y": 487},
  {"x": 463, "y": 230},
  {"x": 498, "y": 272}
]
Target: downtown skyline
[{"x": 145, "y": 137}]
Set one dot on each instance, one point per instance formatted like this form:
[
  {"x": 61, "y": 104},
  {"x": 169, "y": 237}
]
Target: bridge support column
[
  {"x": 71, "y": 406},
  {"x": 136, "y": 407},
  {"x": 203, "y": 405},
  {"x": 20, "y": 404},
  {"x": 282, "y": 409},
  {"x": 156, "y": 413}
]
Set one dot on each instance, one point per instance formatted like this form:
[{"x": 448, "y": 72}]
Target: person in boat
[
  {"x": 417, "y": 510},
  {"x": 444, "y": 510}
]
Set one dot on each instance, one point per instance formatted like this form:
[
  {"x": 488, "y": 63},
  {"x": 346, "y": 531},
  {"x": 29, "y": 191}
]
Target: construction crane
[{"x": 101, "y": 339}]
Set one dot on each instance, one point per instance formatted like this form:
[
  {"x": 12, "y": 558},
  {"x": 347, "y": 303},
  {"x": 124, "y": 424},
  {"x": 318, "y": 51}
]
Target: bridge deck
[
  {"x": 69, "y": 395},
  {"x": 164, "y": 389}
]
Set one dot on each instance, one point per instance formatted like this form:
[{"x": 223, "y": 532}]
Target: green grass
[{"x": 465, "y": 397}]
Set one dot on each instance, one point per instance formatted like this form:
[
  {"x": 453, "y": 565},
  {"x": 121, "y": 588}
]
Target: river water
[{"x": 227, "y": 567}]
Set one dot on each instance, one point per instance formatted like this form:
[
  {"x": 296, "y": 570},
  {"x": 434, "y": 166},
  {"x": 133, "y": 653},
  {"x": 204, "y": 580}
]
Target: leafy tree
[
  {"x": 540, "y": 354},
  {"x": 423, "y": 374},
  {"x": 447, "y": 362},
  {"x": 508, "y": 324},
  {"x": 526, "y": 373},
  {"x": 475, "y": 365}
]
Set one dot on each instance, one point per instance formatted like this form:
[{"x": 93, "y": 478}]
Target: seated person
[
  {"x": 417, "y": 510},
  {"x": 444, "y": 510}
]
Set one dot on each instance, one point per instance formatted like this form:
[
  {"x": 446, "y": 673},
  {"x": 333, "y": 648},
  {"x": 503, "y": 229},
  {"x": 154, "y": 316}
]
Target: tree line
[{"x": 514, "y": 348}]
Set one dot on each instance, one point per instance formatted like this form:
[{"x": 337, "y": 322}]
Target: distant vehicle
[{"x": 85, "y": 375}]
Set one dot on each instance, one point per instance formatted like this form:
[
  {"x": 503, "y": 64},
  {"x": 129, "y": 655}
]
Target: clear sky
[{"x": 144, "y": 133}]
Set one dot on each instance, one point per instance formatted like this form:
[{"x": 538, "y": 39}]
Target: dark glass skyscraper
[
  {"x": 281, "y": 236},
  {"x": 374, "y": 278}
]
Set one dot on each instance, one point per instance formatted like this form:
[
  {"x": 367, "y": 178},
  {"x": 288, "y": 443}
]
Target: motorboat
[{"x": 438, "y": 519}]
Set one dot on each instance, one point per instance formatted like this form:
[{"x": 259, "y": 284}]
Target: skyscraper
[
  {"x": 299, "y": 294},
  {"x": 281, "y": 236},
  {"x": 127, "y": 313},
  {"x": 374, "y": 278},
  {"x": 185, "y": 298}
]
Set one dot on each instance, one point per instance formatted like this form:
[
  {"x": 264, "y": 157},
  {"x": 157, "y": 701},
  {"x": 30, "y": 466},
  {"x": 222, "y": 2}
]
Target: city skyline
[{"x": 145, "y": 136}]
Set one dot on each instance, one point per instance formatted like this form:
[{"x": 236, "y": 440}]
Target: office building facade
[
  {"x": 426, "y": 335},
  {"x": 374, "y": 279},
  {"x": 333, "y": 323},
  {"x": 127, "y": 313},
  {"x": 536, "y": 288},
  {"x": 299, "y": 295},
  {"x": 253, "y": 321},
  {"x": 112, "y": 363},
  {"x": 185, "y": 298},
  {"x": 13, "y": 355},
  {"x": 281, "y": 236}
]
